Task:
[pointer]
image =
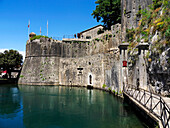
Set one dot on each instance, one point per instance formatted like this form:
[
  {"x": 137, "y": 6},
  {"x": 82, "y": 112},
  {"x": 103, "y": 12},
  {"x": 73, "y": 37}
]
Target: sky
[{"x": 65, "y": 17}]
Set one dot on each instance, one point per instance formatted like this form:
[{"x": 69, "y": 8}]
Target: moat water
[{"x": 63, "y": 107}]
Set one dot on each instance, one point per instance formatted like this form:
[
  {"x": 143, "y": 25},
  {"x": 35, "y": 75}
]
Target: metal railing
[
  {"x": 154, "y": 103},
  {"x": 64, "y": 37},
  {"x": 57, "y": 38},
  {"x": 68, "y": 36}
]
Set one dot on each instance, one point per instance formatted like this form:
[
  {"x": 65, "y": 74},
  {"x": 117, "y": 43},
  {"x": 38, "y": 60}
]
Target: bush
[
  {"x": 167, "y": 33},
  {"x": 100, "y": 31},
  {"x": 38, "y": 37},
  {"x": 21, "y": 76},
  {"x": 104, "y": 85}
]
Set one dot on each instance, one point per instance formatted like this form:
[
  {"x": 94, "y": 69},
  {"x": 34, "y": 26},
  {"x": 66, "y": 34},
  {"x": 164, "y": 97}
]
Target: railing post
[
  {"x": 144, "y": 97},
  {"x": 160, "y": 108},
  {"x": 151, "y": 102},
  {"x": 163, "y": 114}
]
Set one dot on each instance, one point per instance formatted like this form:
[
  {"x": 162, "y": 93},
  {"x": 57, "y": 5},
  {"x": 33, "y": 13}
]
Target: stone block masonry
[
  {"x": 129, "y": 17},
  {"x": 72, "y": 62}
]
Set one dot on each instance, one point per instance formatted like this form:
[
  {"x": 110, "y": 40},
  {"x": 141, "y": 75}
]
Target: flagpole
[
  {"x": 40, "y": 30},
  {"x": 47, "y": 27},
  {"x": 28, "y": 28}
]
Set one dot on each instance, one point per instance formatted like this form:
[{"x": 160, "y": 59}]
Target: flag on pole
[
  {"x": 47, "y": 27},
  {"x": 28, "y": 28},
  {"x": 29, "y": 24}
]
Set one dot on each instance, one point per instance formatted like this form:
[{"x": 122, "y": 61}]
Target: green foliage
[
  {"x": 10, "y": 60},
  {"x": 106, "y": 36},
  {"x": 109, "y": 11},
  {"x": 152, "y": 21},
  {"x": 167, "y": 33},
  {"x": 130, "y": 34},
  {"x": 104, "y": 86},
  {"x": 21, "y": 76},
  {"x": 79, "y": 42},
  {"x": 138, "y": 40},
  {"x": 168, "y": 60},
  {"x": 109, "y": 89},
  {"x": 100, "y": 31},
  {"x": 102, "y": 40},
  {"x": 124, "y": 11},
  {"x": 147, "y": 54},
  {"x": 97, "y": 39},
  {"x": 38, "y": 37},
  {"x": 157, "y": 3},
  {"x": 156, "y": 125}
]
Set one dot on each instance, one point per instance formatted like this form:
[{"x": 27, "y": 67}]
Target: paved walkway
[
  {"x": 167, "y": 100},
  {"x": 156, "y": 106}
]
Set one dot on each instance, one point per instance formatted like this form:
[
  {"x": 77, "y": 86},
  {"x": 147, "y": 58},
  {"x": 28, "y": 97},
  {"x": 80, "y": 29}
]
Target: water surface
[{"x": 63, "y": 107}]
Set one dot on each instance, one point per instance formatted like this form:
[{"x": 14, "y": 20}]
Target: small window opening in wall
[
  {"x": 89, "y": 63},
  {"x": 90, "y": 79},
  {"x": 88, "y": 37}
]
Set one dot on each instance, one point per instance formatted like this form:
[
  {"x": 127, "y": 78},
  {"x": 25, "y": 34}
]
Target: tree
[
  {"x": 9, "y": 60},
  {"x": 109, "y": 11}
]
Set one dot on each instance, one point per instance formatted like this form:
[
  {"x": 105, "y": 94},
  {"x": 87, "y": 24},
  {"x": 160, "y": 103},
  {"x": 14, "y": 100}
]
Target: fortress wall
[
  {"x": 37, "y": 48},
  {"x": 129, "y": 9},
  {"x": 92, "y": 65},
  {"x": 40, "y": 71},
  {"x": 111, "y": 71},
  {"x": 49, "y": 62},
  {"x": 104, "y": 69},
  {"x": 41, "y": 65},
  {"x": 116, "y": 34}
]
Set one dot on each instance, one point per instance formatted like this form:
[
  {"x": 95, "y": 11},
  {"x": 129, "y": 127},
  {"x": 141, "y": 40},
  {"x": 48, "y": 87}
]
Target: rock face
[
  {"x": 129, "y": 10},
  {"x": 159, "y": 73},
  {"x": 148, "y": 68},
  {"x": 79, "y": 62}
]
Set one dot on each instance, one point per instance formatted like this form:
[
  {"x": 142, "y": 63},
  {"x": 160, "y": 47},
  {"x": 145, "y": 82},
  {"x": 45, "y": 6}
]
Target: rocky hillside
[{"x": 154, "y": 29}]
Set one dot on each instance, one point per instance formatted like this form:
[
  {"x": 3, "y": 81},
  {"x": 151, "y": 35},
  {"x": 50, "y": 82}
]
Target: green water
[{"x": 63, "y": 107}]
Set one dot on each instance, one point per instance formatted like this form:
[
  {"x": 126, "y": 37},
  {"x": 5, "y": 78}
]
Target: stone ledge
[
  {"x": 143, "y": 46},
  {"x": 123, "y": 46}
]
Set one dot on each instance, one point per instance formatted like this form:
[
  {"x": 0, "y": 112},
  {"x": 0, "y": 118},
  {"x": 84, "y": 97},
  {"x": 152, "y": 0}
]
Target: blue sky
[{"x": 65, "y": 17}]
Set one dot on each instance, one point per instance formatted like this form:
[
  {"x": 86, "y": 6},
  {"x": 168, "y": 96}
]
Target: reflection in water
[
  {"x": 10, "y": 107},
  {"x": 66, "y": 107},
  {"x": 9, "y": 101}
]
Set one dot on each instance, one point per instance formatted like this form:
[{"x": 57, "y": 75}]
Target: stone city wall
[{"x": 50, "y": 62}]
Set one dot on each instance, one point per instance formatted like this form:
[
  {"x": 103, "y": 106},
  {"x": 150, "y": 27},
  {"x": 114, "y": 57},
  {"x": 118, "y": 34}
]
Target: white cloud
[{"x": 21, "y": 52}]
